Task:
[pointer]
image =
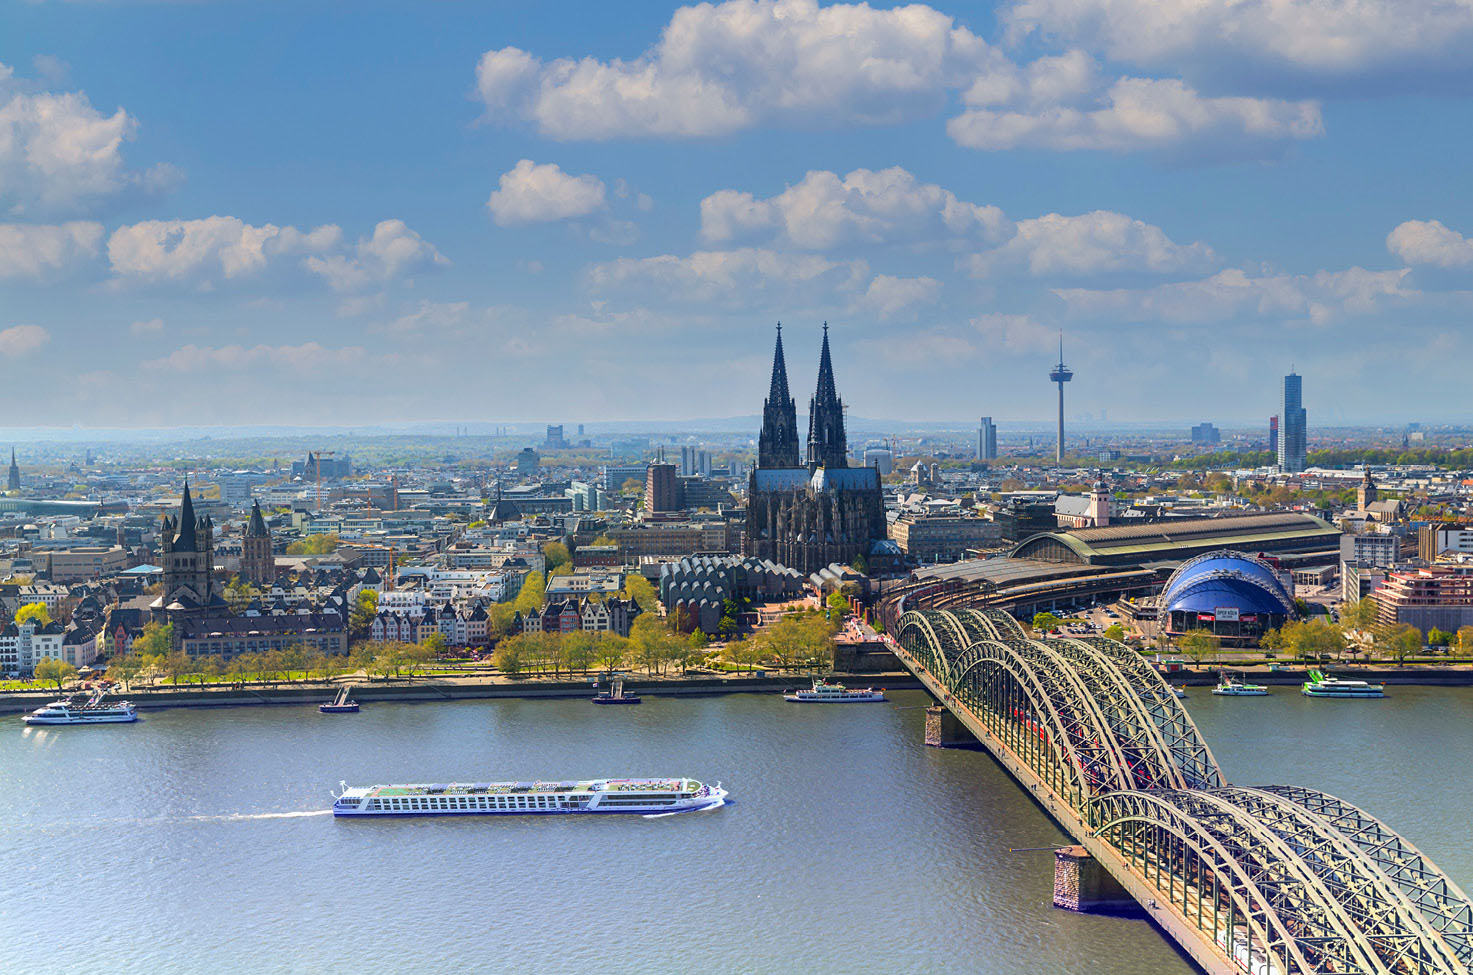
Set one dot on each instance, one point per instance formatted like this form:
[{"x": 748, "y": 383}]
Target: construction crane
[{"x": 317, "y": 456}]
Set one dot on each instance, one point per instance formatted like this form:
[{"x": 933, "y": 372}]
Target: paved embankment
[{"x": 439, "y": 689}]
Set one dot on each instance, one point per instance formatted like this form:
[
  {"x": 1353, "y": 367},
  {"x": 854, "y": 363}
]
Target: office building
[
  {"x": 987, "y": 440},
  {"x": 1206, "y": 434},
  {"x": 1293, "y": 432}
]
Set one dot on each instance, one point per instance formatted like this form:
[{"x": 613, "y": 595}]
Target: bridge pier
[
  {"x": 944, "y": 730},
  {"x": 1082, "y": 884}
]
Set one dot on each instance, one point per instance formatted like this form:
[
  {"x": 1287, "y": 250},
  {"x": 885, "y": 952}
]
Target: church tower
[
  {"x": 187, "y": 550},
  {"x": 257, "y": 564},
  {"x": 827, "y": 446},
  {"x": 777, "y": 444},
  {"x": 1366, "y": 494},
  {"x": 14, "y": 481}
]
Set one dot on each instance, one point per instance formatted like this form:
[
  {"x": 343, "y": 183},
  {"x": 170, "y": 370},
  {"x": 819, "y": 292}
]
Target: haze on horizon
[{"x": 284, "y": 214}]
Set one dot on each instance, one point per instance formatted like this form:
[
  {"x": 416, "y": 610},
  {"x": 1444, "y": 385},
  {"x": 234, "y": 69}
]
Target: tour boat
[
  {"x": 823, "y": 692},
  {"x": 83, "y": 710},
  {"x": 1319, "y": 685},
  {"x": 1237, "y": 687},
  {"x": 342, "y": 704},
  {"x": 647, "y": 796},
  {"x": 1177, "y": 691},
  {"x": 615, "y": 694}
]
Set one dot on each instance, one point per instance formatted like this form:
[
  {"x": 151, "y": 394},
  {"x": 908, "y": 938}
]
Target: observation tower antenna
[{"x": 1060, "y": 374}]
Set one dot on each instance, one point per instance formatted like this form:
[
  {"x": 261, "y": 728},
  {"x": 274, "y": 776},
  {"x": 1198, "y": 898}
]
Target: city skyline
[{"x": 1178, "y": 209}]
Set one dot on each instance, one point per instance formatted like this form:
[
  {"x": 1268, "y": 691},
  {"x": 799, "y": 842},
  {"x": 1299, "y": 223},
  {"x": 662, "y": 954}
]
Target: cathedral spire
[
  {"x": 777, "y": 444},
  {"x": 186, "y": 541},
  {"x": 827, "y": 446}
]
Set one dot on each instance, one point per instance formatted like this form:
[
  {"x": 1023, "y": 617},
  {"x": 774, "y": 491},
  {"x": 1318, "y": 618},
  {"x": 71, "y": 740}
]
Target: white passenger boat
[
  {"x": 1320, "y": 685},
  {"x": 83, "y": 710},
  {"x": 1235, "y": 686},
  {"x": 647, "y": 796},
  {"x": 823, "y": 692}
]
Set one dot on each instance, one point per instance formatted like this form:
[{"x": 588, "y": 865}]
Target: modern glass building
[{"x": 1293, "y": 428}]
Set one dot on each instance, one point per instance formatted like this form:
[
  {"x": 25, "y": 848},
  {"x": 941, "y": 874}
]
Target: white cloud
[
  {"x": 866, "y": 206},
  {"x": 308, "y": 357},
  {"x": 18, "y": 340},
  {"x": 891, "y": 297},
  {"x": 1091, "y": 243},
  {"x": 739, "y": 274},
  {"x": 178, "y": 249},
  {"x": 393, "y": 251},
  {"x": 38, "y": 250},
  {"x": 202, "y": 251},
  {"x": 1314, "y": 39},
  {"x": 1320, "y": 298},
  {"x": 1063, "y": 103},
  {"x": 720, "y": 68},
  {"x": 533, "y": 193},
  {"x": 430, "y": 316},
  {"x": 1430, "y": 242},
  {"x": 153, "y": 326},
  {"x": 1014, "y": 333},
  {"x": 57, "y": 151}
]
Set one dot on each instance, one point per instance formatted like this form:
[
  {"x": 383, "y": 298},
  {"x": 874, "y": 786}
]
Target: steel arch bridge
[{"x": 1275, "y": 880}]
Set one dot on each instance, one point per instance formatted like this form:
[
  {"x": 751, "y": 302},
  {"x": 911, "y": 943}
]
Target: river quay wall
[{"x": 436, "y": 689}]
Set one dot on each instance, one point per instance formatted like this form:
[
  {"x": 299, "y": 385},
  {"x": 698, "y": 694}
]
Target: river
[{"x": 196, "y": 841}]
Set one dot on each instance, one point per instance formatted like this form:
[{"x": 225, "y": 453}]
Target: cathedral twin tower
[{"x": 809, "y": 512}]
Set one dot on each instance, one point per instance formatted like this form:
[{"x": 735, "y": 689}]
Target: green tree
[
  {"x": 1438, "y": 638},
  {"x": 500, "y": 620},
  {"x": 1465, "y": 641},
  {"x": 435, "y": 644},
  {"x": 123, "y": 667},
  {"x": 156, "y": 639},
  {"x": 314, "y": 545},
  {"x": 509, "y": 655},
  {"x": 51, "y": 670},
  {"x": 556, "y": 554},
  {"x": 239, "y": 593},
  {"x": 1317, "y": 639},
  {"x": 638, "y": 588},
  {"x": 1402, "y": 640},
  {"x": 532, "y": 594},
  {"x": 838, "y": 606},
  {"x": 33, "y": 612},
  {"x": 698, "y": 640},
  {"x": 1114, "y": 632},
  {"x": 1046, "y": 622},
  {"x": 1359, "y": 613},
  {"x": 360, "y": 617},
  {"x": 1197, "y": 644}
]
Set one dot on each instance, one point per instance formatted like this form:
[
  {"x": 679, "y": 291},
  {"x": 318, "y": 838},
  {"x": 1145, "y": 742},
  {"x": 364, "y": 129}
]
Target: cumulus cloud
[
  {"x": 1091, "y": 243},
  {"x": 152, "y": 326},
  {"x": 1320, "y": 298},
  {"x": 732, "y": 274},
  {"x": 1065, "y": 103},
  {"x": 891, "y": 297},
  {"x": 1309, "y": 39},
  {"x": 59, "y": 152},
  {"x": 18, "y": 340},
  {"x": 203, "y": 251},
  {"x": 1430, "y": 242},
  {"x": 824, "y": 210},
  {"x": 41, "y": 250},
  {"x": 1014, "y": 333},
  {"x": 392, "y": 251},
  {"x": 720, "y": 68},
  {"x": 533, "y": 193}
]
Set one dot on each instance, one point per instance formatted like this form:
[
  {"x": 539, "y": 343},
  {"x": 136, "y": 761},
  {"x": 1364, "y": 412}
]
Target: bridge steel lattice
[{"x": 1276, "y": 880}]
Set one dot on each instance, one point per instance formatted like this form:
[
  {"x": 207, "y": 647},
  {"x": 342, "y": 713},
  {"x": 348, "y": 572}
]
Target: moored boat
[
  {"x": 823, "y": 692},
  {"x": 616, "y": 694},
  {"x": 1320, "y": 685},
  {"x": 82, "y": 709},
  {"x": 342, "y": 704},
  {"x": 645, "y": 796},
  {"x": 1235, "y": 686}
]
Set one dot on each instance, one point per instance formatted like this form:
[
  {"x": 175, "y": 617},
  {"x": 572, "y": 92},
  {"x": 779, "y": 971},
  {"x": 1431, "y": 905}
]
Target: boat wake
[{"x": 242, "y": 817}]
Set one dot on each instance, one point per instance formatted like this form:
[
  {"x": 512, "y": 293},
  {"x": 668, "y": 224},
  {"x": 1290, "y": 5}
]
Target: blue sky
[{"x": 258, "y": 212}]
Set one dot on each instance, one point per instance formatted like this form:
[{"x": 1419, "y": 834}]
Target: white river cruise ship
[
  {"x": 647, "y": 796},
  {"x": 83, "y": 710}
]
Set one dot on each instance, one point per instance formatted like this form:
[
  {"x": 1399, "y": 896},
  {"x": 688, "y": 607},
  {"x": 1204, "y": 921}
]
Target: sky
[{"x": 253, "y": 212}]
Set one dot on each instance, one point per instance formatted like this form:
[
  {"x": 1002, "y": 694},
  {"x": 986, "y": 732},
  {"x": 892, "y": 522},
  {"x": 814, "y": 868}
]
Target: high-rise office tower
[
  {"x": 986, "y": 439},
  {"x": 1273, "y": 435},
  {"x": 1060, "y": 374},
  {"x": 1293, "y": 429}
]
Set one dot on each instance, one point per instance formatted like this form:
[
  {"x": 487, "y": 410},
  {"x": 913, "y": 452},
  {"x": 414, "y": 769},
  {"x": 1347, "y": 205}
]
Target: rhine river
[{"x": 195, "y": 841}]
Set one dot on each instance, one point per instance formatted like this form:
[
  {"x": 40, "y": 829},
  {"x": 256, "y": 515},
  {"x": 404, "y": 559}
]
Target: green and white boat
[
  {"x": 1320, "y": 685},
  {"x": 1235, "y": 686}
]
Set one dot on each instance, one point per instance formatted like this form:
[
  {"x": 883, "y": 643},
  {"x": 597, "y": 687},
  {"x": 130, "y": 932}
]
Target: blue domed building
[{"x": 1232, "y": 594}]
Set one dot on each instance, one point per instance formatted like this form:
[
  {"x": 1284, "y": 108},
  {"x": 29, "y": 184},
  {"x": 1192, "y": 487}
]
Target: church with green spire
[{"x": 811, "y": 511}]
